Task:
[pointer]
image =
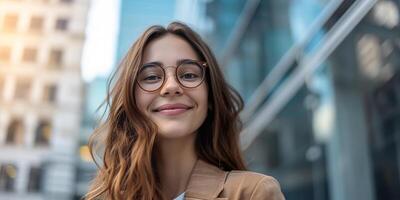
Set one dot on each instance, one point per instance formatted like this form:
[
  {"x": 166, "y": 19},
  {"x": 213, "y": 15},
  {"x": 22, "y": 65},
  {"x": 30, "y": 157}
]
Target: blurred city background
[{"x": 320, "y": 79}]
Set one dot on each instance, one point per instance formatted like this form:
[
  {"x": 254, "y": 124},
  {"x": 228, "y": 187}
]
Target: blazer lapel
[{"x": 206, "y": 181}]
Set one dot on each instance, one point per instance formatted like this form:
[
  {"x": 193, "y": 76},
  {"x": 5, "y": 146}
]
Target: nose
[{"x": 171, "y": 86}]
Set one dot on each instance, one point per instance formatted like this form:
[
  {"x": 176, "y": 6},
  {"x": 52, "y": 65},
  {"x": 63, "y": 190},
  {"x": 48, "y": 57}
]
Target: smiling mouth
[{"x": 172, "y": 109}]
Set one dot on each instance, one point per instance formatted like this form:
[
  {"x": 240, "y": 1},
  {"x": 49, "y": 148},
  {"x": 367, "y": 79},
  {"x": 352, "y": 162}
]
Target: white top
[{"x": 180, "y": 197}]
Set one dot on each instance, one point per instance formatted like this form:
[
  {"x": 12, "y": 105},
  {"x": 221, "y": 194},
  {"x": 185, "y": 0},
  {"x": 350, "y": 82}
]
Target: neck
[{"x": 175, "y": 160}]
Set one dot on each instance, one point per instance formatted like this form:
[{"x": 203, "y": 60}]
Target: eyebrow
[{"x": 178, "y": 62}]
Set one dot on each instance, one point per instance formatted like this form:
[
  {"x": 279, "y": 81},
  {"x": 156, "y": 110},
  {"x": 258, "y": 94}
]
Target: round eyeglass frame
[{"x": 202, "y": 64}]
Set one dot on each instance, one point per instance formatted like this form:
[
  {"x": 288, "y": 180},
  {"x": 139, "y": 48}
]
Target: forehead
[{"x": 168, "y": 49}]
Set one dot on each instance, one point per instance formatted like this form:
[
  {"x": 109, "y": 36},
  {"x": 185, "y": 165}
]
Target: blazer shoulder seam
[{"x": 256, "y": 186}]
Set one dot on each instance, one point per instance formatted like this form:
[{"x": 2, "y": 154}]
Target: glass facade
[
  {"x": 321, "y": 82},
  {"x": 136, "y": 16}
]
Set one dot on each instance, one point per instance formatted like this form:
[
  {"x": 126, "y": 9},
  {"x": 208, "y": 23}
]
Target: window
[
  {"x": 35, "y": 179},
  {"x": 49, "y": 93},
  {"x": 8, "y": 174},
  {"x": 29, "y": 54},
  {"x": 43, "y": 133},
  {"x": 36, "y": 23},
  {"x": 15, "y": 132},
  {"x": 62, "y": 24},
  {"x": 67, "y": 1},
  {"x": 10, "y": 22},
  {"x": 56, "y": 57},
  {"x": 5, "y": 53},
  {"x": 22, "y": 89}
]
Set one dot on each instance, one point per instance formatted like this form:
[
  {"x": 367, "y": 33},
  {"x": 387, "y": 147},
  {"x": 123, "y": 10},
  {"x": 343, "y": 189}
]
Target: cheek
[
  {"x": 142, "y": 99},
  {"x": 202, "y": 97}
]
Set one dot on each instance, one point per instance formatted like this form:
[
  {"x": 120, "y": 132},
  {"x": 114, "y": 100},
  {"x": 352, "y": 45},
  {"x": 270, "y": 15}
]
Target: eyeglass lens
[{"x": 152, "y": 76}]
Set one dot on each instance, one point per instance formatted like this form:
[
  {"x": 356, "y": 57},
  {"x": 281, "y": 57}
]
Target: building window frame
[
  {"x": 56, "y": 57},
  {"x": 5, "y": 53},
  {"x": 62, "y": 24},
  {"x": 36, "y": 23},
  {"x": 43, "y": 133},
  {"x": 35, "y": 180},
  {"x": 30, "y": 54},
  {"x": 15, "y": 132},
  {"x": 23, "y": 88},
  {"x": 67, "y": 1},
  {"x": 10, "y": 22},
  {"x": 8, "y": 174}
]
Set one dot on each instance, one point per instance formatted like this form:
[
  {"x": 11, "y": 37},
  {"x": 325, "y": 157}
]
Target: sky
[{"x": 101, "y": 39}]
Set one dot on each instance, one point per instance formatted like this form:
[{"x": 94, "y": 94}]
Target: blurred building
[
  {"x": 95, "y": 93},
  {"x": 41, "y": 96},
  {"x": 321, "y": 81}
]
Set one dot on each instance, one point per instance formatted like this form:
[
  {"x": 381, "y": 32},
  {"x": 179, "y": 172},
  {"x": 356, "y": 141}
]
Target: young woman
[{"x": 172, "y": 128}]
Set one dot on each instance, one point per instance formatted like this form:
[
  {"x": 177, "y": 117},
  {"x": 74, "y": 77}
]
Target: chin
[{"x": 174, "y": 133}]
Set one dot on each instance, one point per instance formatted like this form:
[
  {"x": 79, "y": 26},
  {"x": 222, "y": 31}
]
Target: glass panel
[
  {"x": 22, "y": 89},
  {"x": 5, "y": 53},
  {"x": 43, "y": 133},
  {"x": 10, "y": 22},
  {"x": 62, "y": 24},
  {"x": 224, "y": 22},
  {"x": 339, "y": 136},
  {"x": 8, "y": 174},
  {"x": 36, "y": 23},
  {"x": 56, "y": 58},
  {"x": 271, "y": 32},
  {"x": 49, "y": 93},
  {"x": 35, "y": 179},
  {"x": 67, "y": 1},
  {"x": 29, "y": 54},
  {"x": 15, "y": 132}
]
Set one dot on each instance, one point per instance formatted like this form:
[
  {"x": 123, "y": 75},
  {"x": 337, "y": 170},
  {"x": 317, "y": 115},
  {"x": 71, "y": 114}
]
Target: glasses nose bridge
[{"x": 172, "y": 74}]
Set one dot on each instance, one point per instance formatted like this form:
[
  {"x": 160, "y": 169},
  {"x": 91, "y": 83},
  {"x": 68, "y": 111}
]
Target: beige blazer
[{"x": 210, "y": 182}]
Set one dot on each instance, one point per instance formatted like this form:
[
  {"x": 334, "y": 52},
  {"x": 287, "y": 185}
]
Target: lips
[{"x": 172, "y": 109}]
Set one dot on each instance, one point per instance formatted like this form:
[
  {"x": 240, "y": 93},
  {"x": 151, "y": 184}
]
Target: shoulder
[
  {"x": 210, "y": 182},
  {"x": 252, "y": 185}
]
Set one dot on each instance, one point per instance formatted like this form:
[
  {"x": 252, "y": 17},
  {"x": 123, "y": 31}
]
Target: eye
[
  {"x": 152, "y": 78},
  {"x": 189, "y": 76}
]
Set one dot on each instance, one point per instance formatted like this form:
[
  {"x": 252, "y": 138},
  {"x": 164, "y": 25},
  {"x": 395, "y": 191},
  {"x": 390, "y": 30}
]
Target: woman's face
[{"x": 177, "y": 111}]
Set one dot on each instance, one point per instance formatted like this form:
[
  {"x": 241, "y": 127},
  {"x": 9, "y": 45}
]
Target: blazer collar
[{"x": 206, "y": 181}]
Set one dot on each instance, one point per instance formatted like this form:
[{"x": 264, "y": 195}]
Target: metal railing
[
  {"x": 307, "y": 66},
  {"x": 278, "y": 71}
]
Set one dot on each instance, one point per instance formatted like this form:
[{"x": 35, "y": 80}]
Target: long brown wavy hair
[{"x": 126, "y": 139}]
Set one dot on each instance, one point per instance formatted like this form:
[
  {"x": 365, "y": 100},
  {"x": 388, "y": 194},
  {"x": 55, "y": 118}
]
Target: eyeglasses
[{"x": 189, "y": 74}]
